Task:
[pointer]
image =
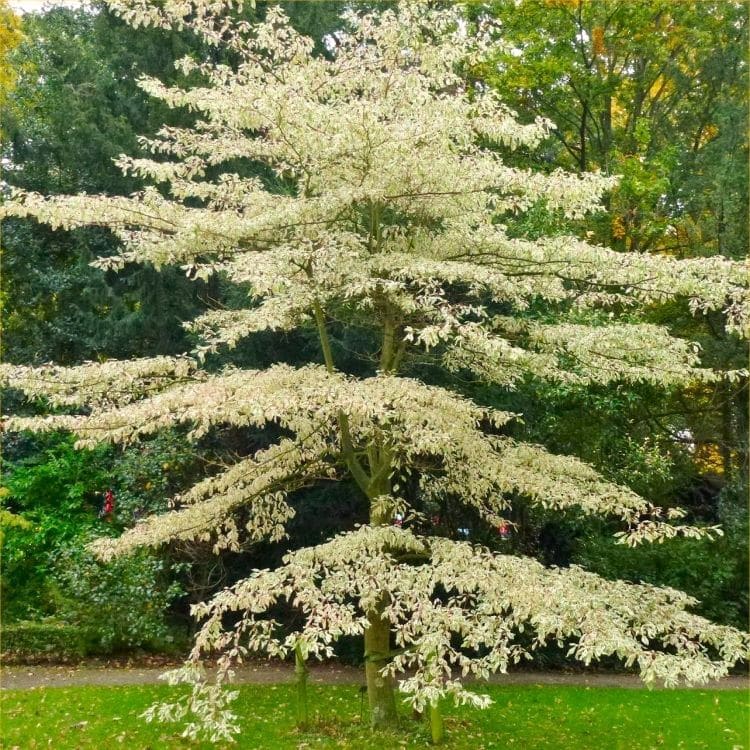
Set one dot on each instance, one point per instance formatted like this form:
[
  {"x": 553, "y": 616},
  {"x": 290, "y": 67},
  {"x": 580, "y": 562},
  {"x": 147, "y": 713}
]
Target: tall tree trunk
[
  {"x": 381, "y": 694},
  {"x": 376, "y": 483},
  {"x": 380, "y": 690},
  {"x": 301, "y": 672},
  {"x": 582, "y": 159}
]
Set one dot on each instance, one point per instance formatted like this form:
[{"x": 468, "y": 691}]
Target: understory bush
[
  {"x": 122, "y": 603},
  {"x": 52, "y": 497},
  {"x": 45, "y": 639},
  {"x": 54, "y": 489},
  {"x": 714, "y": 571}
]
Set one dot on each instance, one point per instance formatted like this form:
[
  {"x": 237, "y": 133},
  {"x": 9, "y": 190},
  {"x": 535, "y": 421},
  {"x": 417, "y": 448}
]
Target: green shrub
[
  {"x": 54, "y": 492},
  {"x": 123, "y": 603},
  {"x": 713, "y": 571},
  {"x": 46, "y": 639},
  {"x": 49, "y": 509}
]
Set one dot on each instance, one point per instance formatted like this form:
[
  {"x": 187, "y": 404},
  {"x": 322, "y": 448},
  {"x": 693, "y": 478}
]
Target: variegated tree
[{"x": 391, "y": 220}]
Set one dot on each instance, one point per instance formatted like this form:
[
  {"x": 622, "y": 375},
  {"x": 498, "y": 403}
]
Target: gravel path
[{"x": 26, "y": 677}]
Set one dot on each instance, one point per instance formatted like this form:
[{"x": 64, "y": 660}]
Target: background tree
[
  {"x": 381, "y": 208},
  {"x": 10, "y": 38},
  {"x": 657, "y": 93},
  {"x": 75, "y": 107}
]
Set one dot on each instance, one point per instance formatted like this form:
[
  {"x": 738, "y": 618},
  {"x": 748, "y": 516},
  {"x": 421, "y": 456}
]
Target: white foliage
[{"x": 390, "y": 220}]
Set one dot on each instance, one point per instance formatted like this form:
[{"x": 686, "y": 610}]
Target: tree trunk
[
  {"x": 437, "y": 728},
  {"x": 301, "y": 672},
  {"x": 380, "y": 690},
  {"x": 582, "y": 163}
]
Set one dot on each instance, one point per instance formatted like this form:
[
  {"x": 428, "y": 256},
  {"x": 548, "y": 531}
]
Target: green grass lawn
[{"x": 574, "y": 718}]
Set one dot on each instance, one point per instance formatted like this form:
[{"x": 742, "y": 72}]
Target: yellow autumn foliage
[
  {"x": 10, "y": 38},
  {"x": 708, "y": 134},
  {"x": 597, "y": 40},
  {"x": 618, "y": 227},
  {"x": 708, "y": 459}
]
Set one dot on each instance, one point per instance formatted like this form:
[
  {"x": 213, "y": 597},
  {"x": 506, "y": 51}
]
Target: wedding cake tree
[{"x": 381, "y": 208}]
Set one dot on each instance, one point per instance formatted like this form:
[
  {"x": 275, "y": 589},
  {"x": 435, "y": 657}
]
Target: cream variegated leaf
[
  {"x": 471, "y": 626},
  {"x": 101, "y": 384},
  {"x": 390, "y": 219}
]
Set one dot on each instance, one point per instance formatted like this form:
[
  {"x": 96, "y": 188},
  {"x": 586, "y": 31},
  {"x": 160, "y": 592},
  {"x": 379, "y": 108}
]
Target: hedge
[{"x": 47, "y": 639}]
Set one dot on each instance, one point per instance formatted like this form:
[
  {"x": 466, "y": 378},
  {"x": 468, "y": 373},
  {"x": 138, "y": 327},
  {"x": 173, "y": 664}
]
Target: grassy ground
[{"x": 574, "y": 718}]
